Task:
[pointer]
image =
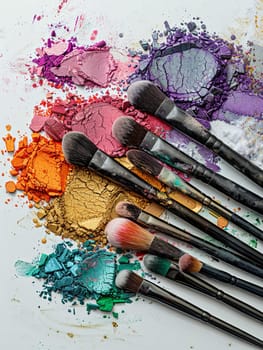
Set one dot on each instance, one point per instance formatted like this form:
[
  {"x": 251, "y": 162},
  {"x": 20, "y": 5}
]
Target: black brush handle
[
  {"x": 239, "y": 221},
  {"x": 213, "y": 230},
  {"x": 173, "y": 156},
  {"x": 226, "y": 255},
  {"x": 156, "y": 293},
  {"x": 226, "y": 277},
  {"x": 184, "y": 122},
  {"x": 229, "y": 188},
  {"x": 202, "y": 286},
  {"x": 235, "y": 159}
]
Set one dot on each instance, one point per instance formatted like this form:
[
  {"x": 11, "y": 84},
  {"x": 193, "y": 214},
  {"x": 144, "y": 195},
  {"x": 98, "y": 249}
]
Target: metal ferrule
[
  {"x": 182, "y": 120},
  {"x": 167, "y": 153}
]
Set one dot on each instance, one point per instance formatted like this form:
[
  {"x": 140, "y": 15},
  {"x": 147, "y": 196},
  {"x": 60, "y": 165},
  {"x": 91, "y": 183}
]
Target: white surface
[{"x": 148, "y": 325}]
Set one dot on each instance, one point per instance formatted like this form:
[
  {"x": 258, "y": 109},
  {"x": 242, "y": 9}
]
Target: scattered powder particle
[
  {"x": 253, "y": 243},
  {"x": 44, "y": 240},
  {"x": 9, "y": 142},
  {"x": 8, "y": 127},
  {"x": 10, "y": 186},
  {"x": 114, "y": 324},
  {"x": 222, "y": 222},
  {"x": 70, "y": 335}
]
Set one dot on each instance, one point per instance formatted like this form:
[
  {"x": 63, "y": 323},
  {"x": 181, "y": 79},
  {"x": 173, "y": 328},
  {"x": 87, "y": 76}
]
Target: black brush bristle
[
  {"x": 144, "y": 161},
  {"x": 128, "y": 210},
  {"x": 129, "y": 281},
  {"x": 78, "y": 149},
  {"x": 145, "y": 96},
  {"x": 128, "y": 132}
]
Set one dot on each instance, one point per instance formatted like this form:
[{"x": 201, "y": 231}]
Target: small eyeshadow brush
[
  {"x": 133, "y": 135},
  {"x": 134, "y": 213},
  {"x": 134, "y": 283},
  {"x": 126, "y": 234},
  {"x": 169, "y": 269},
  {"x": 151, "y": 165},
  {"x": 147, "y": 97}
]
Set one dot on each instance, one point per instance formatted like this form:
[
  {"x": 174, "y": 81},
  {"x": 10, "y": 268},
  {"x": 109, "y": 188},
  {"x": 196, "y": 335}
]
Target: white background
[{"x": 23, "y": 325}]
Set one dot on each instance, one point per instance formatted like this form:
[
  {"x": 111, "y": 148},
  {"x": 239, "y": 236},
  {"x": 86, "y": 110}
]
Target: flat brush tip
[
  {"x": 188, "y": 263},
  {"x": 144, "y": 161},
  {"x": 127, "y": 210},
  {"x": 157, "y": 264},
  {"x": 128, "y": 280}
]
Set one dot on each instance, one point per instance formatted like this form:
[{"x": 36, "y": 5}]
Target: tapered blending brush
[
  {"x": 151, "y": 165},
  {"x": 147, "y": 97},
  {"x": 169, "y": 269},
  {"x": 131, "y": 134},
  {"x": 134, "y": 283},
  {"x": 125, "y": 234},
  {"x": 134, "y": 213},
  {"x": 79, "y": 150}
]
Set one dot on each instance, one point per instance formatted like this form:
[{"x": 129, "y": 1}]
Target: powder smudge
[{"x": 40, "y": 167}]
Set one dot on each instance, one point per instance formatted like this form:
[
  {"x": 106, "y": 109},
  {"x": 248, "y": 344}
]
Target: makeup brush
[
  {"x": 167, "y": 268},
  {"x": 132, "y": 282},
  {"x": 131, "y": 134},
  {"x": 126, "y": 234},
  {"x": 147, "y": 97},
  {"x": 134, "y": 213},
  {"x": 79, "y": 150},
  {"x": 149, "y": 164}
]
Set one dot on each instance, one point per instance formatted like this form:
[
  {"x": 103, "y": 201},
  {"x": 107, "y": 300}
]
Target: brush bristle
[
  {"x": 128, "y": 132},
  {"x": 188, "y": 263},
  {"x": 145, "y": 96},
  {"x": 129, "y": 281},
  {"x": 127, "y": 210},
  {"x": 157, "y": 264},
  {"x": 77, "y": 148},
  {"x": 126, "y": 234},
  {"x": 144, "y": 161}
]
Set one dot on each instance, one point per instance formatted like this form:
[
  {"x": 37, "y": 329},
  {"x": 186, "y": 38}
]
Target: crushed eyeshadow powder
[
  {"x": 65, "y": 62},
  {"x": 79, "y": 275},
  {"x": 40, "y": 168},
  {"x": 207, "y": 69}
]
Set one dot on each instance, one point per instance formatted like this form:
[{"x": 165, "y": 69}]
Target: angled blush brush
[
  {"x": 79, "y": 150},
  {"x": 134, "y": 213},
  {"x": 134, "y": 283},
  {"x": 126, "y": 234},
  {"x": 151, "y": 165},
  {"x": 169, "y": 269},
  {"x": 147, "y": 97},
  {"x": 131, "y": 134}
]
